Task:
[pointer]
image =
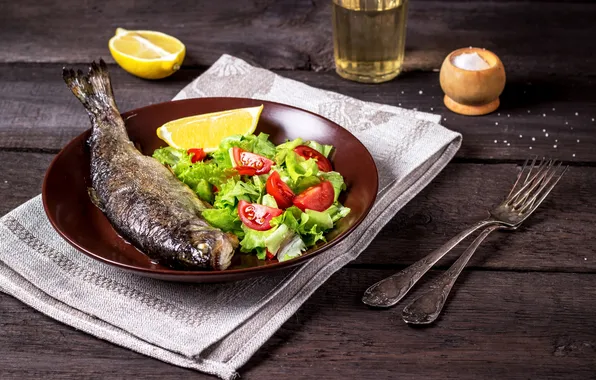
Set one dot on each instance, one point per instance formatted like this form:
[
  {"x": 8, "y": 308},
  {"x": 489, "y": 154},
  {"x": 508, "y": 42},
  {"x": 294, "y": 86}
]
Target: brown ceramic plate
[{"x": 84, "y": 226}]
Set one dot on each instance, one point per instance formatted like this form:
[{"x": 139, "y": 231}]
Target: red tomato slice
[
  {"x": 307, "y": 152},
  {"x": 242, "y": 159},
  {"x": 318, "y": 197},
  {"x": 245, "y": 170},
  {"x": 270, "y": 256},
  {"x": 256, "y": 216},
  {"x": 278, "y": 189},
  {"x": 196, "y": 154}
]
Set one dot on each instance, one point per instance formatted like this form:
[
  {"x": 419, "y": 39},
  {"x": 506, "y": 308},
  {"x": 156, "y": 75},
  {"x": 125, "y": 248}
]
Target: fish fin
[
  {"x": 94, "y": 90},
  {"x": 94, "y": 198}
]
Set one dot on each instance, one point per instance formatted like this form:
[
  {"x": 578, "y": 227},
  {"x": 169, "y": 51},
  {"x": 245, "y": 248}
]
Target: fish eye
[{"x": 204, "y": 248}]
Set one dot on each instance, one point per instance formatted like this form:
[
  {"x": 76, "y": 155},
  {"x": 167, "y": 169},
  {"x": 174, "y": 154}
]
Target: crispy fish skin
[{"x": 142, "y": 199}]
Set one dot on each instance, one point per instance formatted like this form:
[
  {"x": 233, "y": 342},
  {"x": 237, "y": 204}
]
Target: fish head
[{"x": 215, "y": 246}]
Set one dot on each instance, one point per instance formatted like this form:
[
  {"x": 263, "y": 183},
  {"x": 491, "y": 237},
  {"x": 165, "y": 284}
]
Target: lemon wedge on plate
[
  {"x": 206, "y": 131},
  {"x": 147, "y": 54}
]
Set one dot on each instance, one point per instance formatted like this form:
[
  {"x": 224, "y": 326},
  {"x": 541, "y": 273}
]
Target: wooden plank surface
[
  {"x": 39, "y": 113},
  {"x": 435, "y": 215},
  {"x": 522, "y": 326},
  {"x": 549, "y": 37},
  {"x": 524, "y": 309}
]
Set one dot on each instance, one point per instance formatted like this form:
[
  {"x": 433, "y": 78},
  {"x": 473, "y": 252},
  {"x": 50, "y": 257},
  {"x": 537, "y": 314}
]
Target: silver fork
[{"x": 519, "y": 204}]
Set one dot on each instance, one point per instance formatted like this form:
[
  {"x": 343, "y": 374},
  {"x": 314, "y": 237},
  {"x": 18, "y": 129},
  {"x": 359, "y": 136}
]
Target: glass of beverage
[{"x": 369, "y": 38}]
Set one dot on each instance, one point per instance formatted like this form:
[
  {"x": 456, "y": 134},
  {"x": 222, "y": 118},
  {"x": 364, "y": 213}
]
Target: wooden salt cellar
[{"x": 472, "y": 92}]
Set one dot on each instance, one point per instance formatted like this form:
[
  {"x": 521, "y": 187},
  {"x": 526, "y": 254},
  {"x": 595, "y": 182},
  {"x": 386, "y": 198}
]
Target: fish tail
[{"x": 94, "y": 90}]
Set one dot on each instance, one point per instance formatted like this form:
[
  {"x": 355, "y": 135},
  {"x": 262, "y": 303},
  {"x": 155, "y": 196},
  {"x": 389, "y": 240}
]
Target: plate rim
[{"x": 168, "y": 272}]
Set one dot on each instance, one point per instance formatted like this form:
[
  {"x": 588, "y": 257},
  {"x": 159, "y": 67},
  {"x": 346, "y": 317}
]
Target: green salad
[{"x": 279, "y": 200}]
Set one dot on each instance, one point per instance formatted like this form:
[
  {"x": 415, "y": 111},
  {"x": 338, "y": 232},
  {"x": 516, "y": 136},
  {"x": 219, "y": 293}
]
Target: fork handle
[
  {"x": 426, "y": 308},
  {"x": 392, "y": 289}
]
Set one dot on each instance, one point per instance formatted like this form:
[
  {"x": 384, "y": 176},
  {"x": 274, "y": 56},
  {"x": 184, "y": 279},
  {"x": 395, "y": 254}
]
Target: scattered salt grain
[
  {"x": 399, "y": 104},
  {"x": 496, "y": 123},
  {"x": 556, "y": 140},
  {"x": 470, "y": 61},
  {"x": 402, "y": 92},
  {"x": 546, "y": 134},
  {"x": 508, "y": 115},
  {"x": 520, "y": 136},
  {"x": 508, "y": 144},
  {"x": 573, "y": 155},
  {"x": 530, "y": 147},
  {"x": 577, "y": 140},
  {"x": 576, "y": 114},
  {"x": 553, "y": 109},
  {"x": 592, "y": 119},
  {"x": 533, "y": 138},
  {"x": 420, "y": 92},
  {"x": 585, "y": 259},
  {"x": 495, "y": 141},
  {"x": 504, "y": 141},
  {"x": 554, "y": 146},
  {"x": 528, "y": 110},
  {"x": 543, "y": 115},
  {"x": 566, "y": 122},
  {"x": 431, "y": 108},
  {"x": 544, "y": 130},
  {"x": 498, "y": 114}
]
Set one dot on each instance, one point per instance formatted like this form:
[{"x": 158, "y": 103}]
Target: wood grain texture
[
  {"x": 39, "y": 112},
  {"x": 551, "y": 240},
  {"x": 530, "y": 37},
  {"x": 495, "y": 325}
]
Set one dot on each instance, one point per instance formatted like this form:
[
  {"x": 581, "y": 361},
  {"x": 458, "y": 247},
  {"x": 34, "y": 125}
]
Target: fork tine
[
  {"x": 532, "y": 167},
  {"x": 529, "y": 198},
  {"x": 516, "y": 191},
  {"x": 521, "y": 174},
  {"x": 543, "y": 167},
  {"x": 536, "y": 183},
  {"x": 535, "y": 203}
]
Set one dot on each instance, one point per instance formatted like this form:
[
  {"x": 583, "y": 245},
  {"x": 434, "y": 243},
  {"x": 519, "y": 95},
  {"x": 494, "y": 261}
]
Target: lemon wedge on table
[
  {"x": 206, "y": 131},
  {"x": 147, "y": 54}
]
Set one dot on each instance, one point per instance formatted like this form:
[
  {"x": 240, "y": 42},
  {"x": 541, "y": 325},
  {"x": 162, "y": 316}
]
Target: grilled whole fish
[{"x": 142, "y": 199}]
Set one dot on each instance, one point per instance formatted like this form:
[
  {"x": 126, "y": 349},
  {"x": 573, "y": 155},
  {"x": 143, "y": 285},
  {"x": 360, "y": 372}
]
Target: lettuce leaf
[
  {"x": 265, "y": 240},
  {"x": 283, "y": 149},
  {"x": 325, "y": 150},
  {"x": 193, "y": 174},
  {"x": 291, "y": 249},
  {"x": 336, "y": 211},
  {"x": 231, "y": 192},
  {"x": 225, "y": 219},
  {"x": 298, "y": 167}
]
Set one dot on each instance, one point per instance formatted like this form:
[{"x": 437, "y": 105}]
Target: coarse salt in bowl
[{"x": 472, "y": 79}]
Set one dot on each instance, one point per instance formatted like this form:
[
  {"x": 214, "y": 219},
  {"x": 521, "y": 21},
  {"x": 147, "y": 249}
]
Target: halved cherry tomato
[
  {"x": 270, "y": 256},
  {"x": 318, "y": 197},
  {"x": 196, "y": 155},
  {"x": 307, "y": 152},
  {"x": 245, "y": 170},
  {"x": 244, "y": 160},
  {"x": 278, "y": 189},
  {"x": 256, "y": 216}
]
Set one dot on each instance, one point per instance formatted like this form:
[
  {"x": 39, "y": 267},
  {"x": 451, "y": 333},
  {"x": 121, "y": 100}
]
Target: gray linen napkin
[{"x": 216, "y": 328}]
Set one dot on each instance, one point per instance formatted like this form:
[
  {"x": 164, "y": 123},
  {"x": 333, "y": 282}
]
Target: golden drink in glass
[{"x": 369, "y": 38}]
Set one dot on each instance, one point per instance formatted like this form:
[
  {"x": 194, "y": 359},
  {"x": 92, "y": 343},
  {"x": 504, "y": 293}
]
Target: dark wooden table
[{"x": 526, "y": 306}]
